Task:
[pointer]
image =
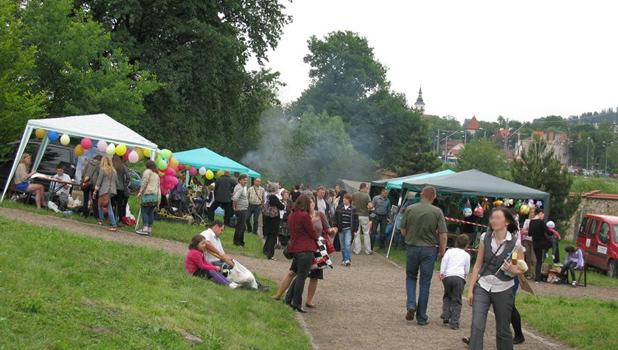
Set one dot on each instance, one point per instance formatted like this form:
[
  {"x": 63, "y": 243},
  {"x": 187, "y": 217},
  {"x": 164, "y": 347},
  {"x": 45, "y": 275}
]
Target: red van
[{"x": 598, "y": 239}]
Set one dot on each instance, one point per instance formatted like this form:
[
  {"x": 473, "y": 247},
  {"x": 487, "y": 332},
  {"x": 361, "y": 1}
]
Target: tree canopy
[{"x": 482, "y": 155}]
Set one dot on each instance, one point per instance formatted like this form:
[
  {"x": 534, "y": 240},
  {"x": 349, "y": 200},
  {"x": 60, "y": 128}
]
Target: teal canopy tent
[
  {"x": 203, "y": 157},
  {"x": 397, "y": 182},
  {"x": 477, "y": 183}
]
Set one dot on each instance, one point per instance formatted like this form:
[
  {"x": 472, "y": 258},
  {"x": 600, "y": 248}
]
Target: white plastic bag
[{"x": 242, "y": 276}]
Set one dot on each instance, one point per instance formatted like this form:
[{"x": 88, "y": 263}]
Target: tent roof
[
  {"x": 94, "y": 126},
  {"x": 204, "y": 157},
  {"x": 351, "y": 186},
  {"x": 474, "y": 182},
  {"x": 398, "y": 181}
]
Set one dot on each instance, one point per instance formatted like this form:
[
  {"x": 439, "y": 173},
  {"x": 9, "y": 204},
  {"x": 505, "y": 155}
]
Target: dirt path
[{"x": 361, "y": 307}]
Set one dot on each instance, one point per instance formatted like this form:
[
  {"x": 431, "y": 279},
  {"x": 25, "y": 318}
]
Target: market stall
[
  {"x": 113, "y": 137},
  {"x": 206, "y": 160}
]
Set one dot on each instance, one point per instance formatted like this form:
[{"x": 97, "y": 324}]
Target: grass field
[
  {"x": 581, "y": 323},
  {"x": 60, "y": 291},
  {"x": 588, "y": 183},
  {"x": 163, "y": 229}
]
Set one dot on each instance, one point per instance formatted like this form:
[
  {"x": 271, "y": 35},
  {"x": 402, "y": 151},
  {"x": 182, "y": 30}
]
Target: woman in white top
[{"x": 492, "y": 279}]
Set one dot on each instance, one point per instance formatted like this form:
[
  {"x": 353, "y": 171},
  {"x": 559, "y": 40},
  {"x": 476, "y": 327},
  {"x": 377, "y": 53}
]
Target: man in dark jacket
[
  {"x": 224, "y": 186},
  {"x": 346, "y": 222}
]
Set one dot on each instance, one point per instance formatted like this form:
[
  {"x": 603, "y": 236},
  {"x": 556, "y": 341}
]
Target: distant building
[
  {"x": 419, "y": 105},
  {"x": 472, "y": 125},
  {"x": 556, "y": 141}
]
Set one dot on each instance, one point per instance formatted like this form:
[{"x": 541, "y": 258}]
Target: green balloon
[
  {"x": 166, "y": 154},
  {"x": 162, "y": 164}
]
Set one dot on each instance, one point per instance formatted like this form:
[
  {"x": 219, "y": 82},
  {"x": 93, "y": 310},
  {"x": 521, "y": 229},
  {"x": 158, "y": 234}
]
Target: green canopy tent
[
  {"x": 204, "y": 157},
  {"x": 477, "y": 183},
  {"x": 391, "y": 183}
]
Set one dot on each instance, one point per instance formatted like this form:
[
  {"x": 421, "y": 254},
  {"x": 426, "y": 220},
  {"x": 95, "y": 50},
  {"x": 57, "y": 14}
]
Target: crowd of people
[{"x": 311, "y": 224}]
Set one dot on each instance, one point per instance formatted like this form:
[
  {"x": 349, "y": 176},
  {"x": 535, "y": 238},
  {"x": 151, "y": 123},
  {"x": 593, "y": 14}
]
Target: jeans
[
  {"x": 451, "y": 301},
  {"x": 148, "y": 215},
  {"x": 254, "y": 212},
  {"x": 502, "y": 303},
  {"x": 555, "y": 249},
  {"x": 363, "y": 230},
  {"x": 239, "y": 230},
  {"x": 539, "y": 252},
  {"x": 423, "y": 259},
  {"x": 345, "y": 239},
  {"x": 381, "y": 221},
  {"x": 564, "y": 271},
  {"x": 301, "y": 264},
  {"x": 110, "y": 214}
]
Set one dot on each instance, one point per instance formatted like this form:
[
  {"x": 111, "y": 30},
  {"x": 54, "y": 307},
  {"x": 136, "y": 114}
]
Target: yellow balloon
[
  {"x": 140, "y": 153},
  {"x": 209, "y": 174},
  {"x": 220, "y": 173},
  {"x": 146, "y": 152},
  {"x": 65, "y": 139},
  {"x": 40, "y": 133},
  {"x": 79, "y": 150},
  {"x": 121, "y": 149}
]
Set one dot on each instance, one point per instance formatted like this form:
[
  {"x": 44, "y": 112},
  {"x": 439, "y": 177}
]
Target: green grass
[
  {"x": 588, "y": 183},
  {"x": 163, "y": 229},
  {"x": 581, "y": 323},
  {"x": 62, "y": 291}
]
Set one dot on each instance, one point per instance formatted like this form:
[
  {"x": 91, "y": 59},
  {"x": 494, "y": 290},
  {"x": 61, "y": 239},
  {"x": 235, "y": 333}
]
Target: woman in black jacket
[
  {"x": 540, "y": 240},
  {"x": 271, "y": 219}
]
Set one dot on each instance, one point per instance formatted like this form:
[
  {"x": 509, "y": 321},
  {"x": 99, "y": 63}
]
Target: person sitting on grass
[
  {"x": 573, "y": 261},
  {"x": 454, "y": 270},
  {"x": 198, "y": 266},
  {"x": 214, "y": 252}
]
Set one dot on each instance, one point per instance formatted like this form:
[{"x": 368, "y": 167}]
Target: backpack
[{"x": 268, "y": 210}]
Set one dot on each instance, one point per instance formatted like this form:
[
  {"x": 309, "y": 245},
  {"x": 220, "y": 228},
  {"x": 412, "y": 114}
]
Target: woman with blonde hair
[
  {"x": 106, "y": 188},
  {"x": 22, "y": 175},
  {"x": 150, "y": 195}
]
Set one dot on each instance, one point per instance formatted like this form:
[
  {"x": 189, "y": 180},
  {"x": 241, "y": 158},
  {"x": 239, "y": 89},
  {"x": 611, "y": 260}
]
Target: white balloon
[
  {"x": 65, "y": 139},
  {"x": 102, "y": 146},
  {"x": 202, "y": 171},
  {"x": 111, "y": 149}
]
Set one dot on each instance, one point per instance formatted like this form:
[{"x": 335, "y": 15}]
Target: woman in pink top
[{"x": 198, "y": 266}]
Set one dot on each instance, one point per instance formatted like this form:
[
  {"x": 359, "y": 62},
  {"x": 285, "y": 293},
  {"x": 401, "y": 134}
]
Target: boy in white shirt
[{"x": 454, "y": 270}]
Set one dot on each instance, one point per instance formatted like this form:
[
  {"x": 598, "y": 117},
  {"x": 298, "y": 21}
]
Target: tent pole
[
  {"x": 390, "y": 244},
  {"x": 39, "y": 154},
  {"x": 187, "y": 178},
  {"x": 20, "y": 150}
]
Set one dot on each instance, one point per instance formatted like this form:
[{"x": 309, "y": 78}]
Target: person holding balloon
[
  {"x": 105, "y": 189},
  {"x": 150, "y": 195}
]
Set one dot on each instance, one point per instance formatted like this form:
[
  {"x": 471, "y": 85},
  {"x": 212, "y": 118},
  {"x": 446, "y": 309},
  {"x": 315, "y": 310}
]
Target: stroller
[{"x": 199, "y": 210}]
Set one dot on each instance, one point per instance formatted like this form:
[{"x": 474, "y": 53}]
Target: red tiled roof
[{"x": 473, "y": 124}]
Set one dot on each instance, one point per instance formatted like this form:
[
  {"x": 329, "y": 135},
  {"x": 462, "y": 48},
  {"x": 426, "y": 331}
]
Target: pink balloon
[
  {"x": 192, "y": 171},
  {"x": 170, "y": 172},
  {"x": 173, "y": 181},
  {"x": 86, "y": 143},
  {"x": 133, "y": 157}
]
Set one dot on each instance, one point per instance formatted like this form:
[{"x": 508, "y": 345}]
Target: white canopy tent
[{"x": 93, "y": 126}]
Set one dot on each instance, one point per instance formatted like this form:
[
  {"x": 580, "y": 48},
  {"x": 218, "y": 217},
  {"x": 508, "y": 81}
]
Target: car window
[
  {"x": 582, "y": 227},
  {"x": 604, "y": 233},
  {"x": 615, "y": 229},
  {"x": 593, "y": 228}
]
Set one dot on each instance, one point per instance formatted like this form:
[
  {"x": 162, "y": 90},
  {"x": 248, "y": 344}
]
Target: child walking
[{"x": 454, "y": 270}]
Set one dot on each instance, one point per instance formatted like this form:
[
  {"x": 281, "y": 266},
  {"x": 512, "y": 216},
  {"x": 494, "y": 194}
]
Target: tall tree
[
  {"x": 77, "y": 66},
  {"x": 19, "y": 99},
  {"x": 539, "y": 168},
  {"x": 348, "y": 81},
  {"x": 199, "y": 50},
  {"x": 482, "y": 155}
]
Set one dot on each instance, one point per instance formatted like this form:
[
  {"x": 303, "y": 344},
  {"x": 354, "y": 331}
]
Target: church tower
[{"x": 419, "y": 105}]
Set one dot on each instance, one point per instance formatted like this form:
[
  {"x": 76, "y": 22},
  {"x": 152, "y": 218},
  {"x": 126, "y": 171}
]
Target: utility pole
[{"x": 587, "y": 151}]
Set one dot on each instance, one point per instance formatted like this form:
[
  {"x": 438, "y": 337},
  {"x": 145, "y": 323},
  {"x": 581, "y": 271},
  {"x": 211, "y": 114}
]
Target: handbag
[
  {"x": 150, "y": 200},
  {"x": 268, "y": 210}
]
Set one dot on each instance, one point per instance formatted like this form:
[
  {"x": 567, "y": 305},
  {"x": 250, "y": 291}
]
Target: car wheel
[{"x": 612, "y": 271}]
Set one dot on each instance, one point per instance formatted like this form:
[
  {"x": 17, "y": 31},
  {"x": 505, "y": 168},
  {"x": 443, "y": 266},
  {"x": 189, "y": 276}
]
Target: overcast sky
[{"x": 520, "y": 59}]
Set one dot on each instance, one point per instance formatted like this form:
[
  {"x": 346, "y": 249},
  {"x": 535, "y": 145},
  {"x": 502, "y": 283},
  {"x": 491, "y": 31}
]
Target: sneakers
[
  {"x": 410, "y": 314},
  {"x": 233, "y": 285},
  {"x": 423, "y": 323},
  {"x": 574, "y": 284},
  {"x": 346, "y": 263}
]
